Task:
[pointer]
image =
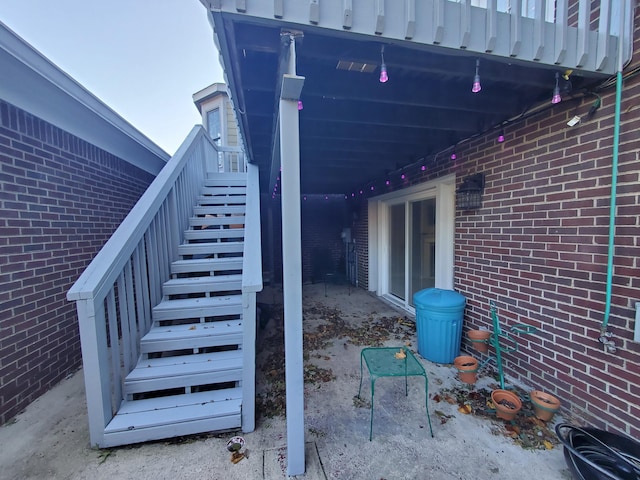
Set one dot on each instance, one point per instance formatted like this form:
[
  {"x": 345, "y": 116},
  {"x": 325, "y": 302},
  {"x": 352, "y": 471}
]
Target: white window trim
[
  {"x": 221, "y": 105},
  {"x": 443, "y": 189}
]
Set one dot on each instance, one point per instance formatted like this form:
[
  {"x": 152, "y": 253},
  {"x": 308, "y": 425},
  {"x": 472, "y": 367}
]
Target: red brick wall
[
  {"x": 322, "y": 222},
  {"x": 361, "y": 236},
  {"x": 538, "y": 248},
  {"x": 61, "y": 198},
  {"x": 322, "y": 245}
]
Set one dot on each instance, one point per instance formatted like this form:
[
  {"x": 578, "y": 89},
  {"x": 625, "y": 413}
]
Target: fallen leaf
[
  {"x": 450, "y": 400},
  {"x": 192, "y": 327},
  {"x": 513, "y": 428},
  {"x": 547, "y": 444},
  {"x": 436, "y": 398},
  {"x": 466, "y": 409},
  {"x": 475, "y": 396}
]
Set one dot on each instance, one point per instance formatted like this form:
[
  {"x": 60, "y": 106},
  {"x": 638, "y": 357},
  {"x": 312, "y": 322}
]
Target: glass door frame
[{"x": 443, "y": 190}]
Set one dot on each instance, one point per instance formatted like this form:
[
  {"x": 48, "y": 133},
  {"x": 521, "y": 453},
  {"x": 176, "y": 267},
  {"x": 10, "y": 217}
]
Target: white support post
[
  {"x": 292, "y": 273},
  {"x": 95, "y": 363},
  {"x": 248, "y": 362}
]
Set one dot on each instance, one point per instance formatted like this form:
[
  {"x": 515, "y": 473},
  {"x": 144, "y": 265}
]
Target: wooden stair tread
[
  {"x": 197, "y": 307},
  {"x": 211, "y": 221},
  {"x": 221, "y": 190},
  {"x": 226, "y": 180},
  {"x": 155, "y": 412},
  {"x": 195, "y": 334},
  {"x": 210, "y": 248},
  {"x": 185, "y": 365},
  {"x": 206, "y": 265},
  {"x": 221, "y": 199},
  {"x": 212, "y": 234},
  {"x": 208, "y": 283},
  {"x": 218, "y": 209}
]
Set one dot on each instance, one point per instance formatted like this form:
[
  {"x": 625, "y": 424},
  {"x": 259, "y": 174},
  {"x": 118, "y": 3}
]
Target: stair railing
[
  {"x": 231, "y": 159},
  {"x": 115, "y": 294},
  {"x": 251, "y": 284}
]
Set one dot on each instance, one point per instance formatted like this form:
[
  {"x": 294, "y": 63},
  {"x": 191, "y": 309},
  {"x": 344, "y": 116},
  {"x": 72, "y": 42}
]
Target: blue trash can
[{"x": 439, "y": 316}]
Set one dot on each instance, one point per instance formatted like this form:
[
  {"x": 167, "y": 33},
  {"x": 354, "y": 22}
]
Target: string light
[
  {"x": 476, "y": 79},
  {"x": 556, "y": 91},
  {"x": 384, "y": 77}
]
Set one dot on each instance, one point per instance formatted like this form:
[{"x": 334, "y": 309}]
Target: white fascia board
[
  {"x": 209, "y": 92},
  {"x": 36, "y": 85}
]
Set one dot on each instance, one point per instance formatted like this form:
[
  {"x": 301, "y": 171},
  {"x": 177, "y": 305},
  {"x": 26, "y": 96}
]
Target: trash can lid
[{"x": 436, "y": 297}]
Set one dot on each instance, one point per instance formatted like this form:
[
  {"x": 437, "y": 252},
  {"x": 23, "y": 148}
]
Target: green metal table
[{"x": 384, "y": 362}]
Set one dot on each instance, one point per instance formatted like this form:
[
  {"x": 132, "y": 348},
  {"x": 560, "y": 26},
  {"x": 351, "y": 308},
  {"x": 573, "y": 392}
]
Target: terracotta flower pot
[
  {"x": 507, "y": 404},
  {"x": 467, "y": 368},
  {"x": 479, "y": 339},
  {"x": 544, "y": 404}
]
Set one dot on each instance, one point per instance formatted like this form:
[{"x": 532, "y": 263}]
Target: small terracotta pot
[
  {"x": 544, "y": 404},
  {"x": 479, "y": 339},
  {"x": 467, "y": 368},
  {"x": 507, "y": 404}
]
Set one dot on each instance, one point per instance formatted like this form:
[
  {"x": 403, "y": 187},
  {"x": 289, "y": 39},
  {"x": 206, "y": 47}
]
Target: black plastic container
[{"x": 593, "y": 454}]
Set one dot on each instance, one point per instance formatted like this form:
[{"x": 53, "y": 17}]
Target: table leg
[
  {"x": 373, "y": 386},
  {"x": 406, "y": 386},
  {"x": 426, "y": 402},
  {"x": 360, "y": 387}
]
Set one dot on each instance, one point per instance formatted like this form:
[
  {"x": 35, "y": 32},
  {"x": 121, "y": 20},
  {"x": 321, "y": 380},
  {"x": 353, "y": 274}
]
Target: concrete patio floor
[{"x": 50, "y": 438}]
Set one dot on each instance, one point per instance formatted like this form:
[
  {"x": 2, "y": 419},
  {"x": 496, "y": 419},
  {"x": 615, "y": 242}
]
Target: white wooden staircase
[{"x": 188, "y": 376}]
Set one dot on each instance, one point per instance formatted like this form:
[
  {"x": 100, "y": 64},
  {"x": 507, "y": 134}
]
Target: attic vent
[{"x": 355, "y": 66}]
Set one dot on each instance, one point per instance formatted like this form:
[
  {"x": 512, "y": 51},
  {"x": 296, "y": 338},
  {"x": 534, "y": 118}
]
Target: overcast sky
[{"x": 143, "y": 58}]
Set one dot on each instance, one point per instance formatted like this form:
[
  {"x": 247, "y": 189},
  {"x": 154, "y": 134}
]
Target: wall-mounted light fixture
[
  {"x": 501, "y": 136},
  {"x": 469, "y": 194}
]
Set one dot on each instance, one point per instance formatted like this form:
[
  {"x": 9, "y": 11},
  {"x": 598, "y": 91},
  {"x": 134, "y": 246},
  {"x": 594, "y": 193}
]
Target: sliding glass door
[
  {"x": 422, "y": 245},
  {"x": 412, "y": 247},
  {"x": 411, "y": 241},
  {"x": 397, "y": 260}
]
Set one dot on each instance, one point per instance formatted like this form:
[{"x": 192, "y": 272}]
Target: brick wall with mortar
[
  {"x": 322, "y": 222},
  {"x": 322, "y": 245},
  {"x": 360, "y": 236},
  {"x": 61, "y": 198},
  {"x": 538, "y": 248}
]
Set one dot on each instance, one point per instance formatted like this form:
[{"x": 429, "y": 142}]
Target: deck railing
[
  {"x": 580, "y": 34},
  {"x": 115, "y": 294},
  {"x": 251, "y": 284},
  {"x": 231, "y": 159}
]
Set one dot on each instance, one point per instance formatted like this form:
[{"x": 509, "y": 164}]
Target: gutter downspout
[{"x": 605, "y": 334}]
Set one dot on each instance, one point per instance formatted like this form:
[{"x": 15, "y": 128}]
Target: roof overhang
[{"x": 353, "y": 128}]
